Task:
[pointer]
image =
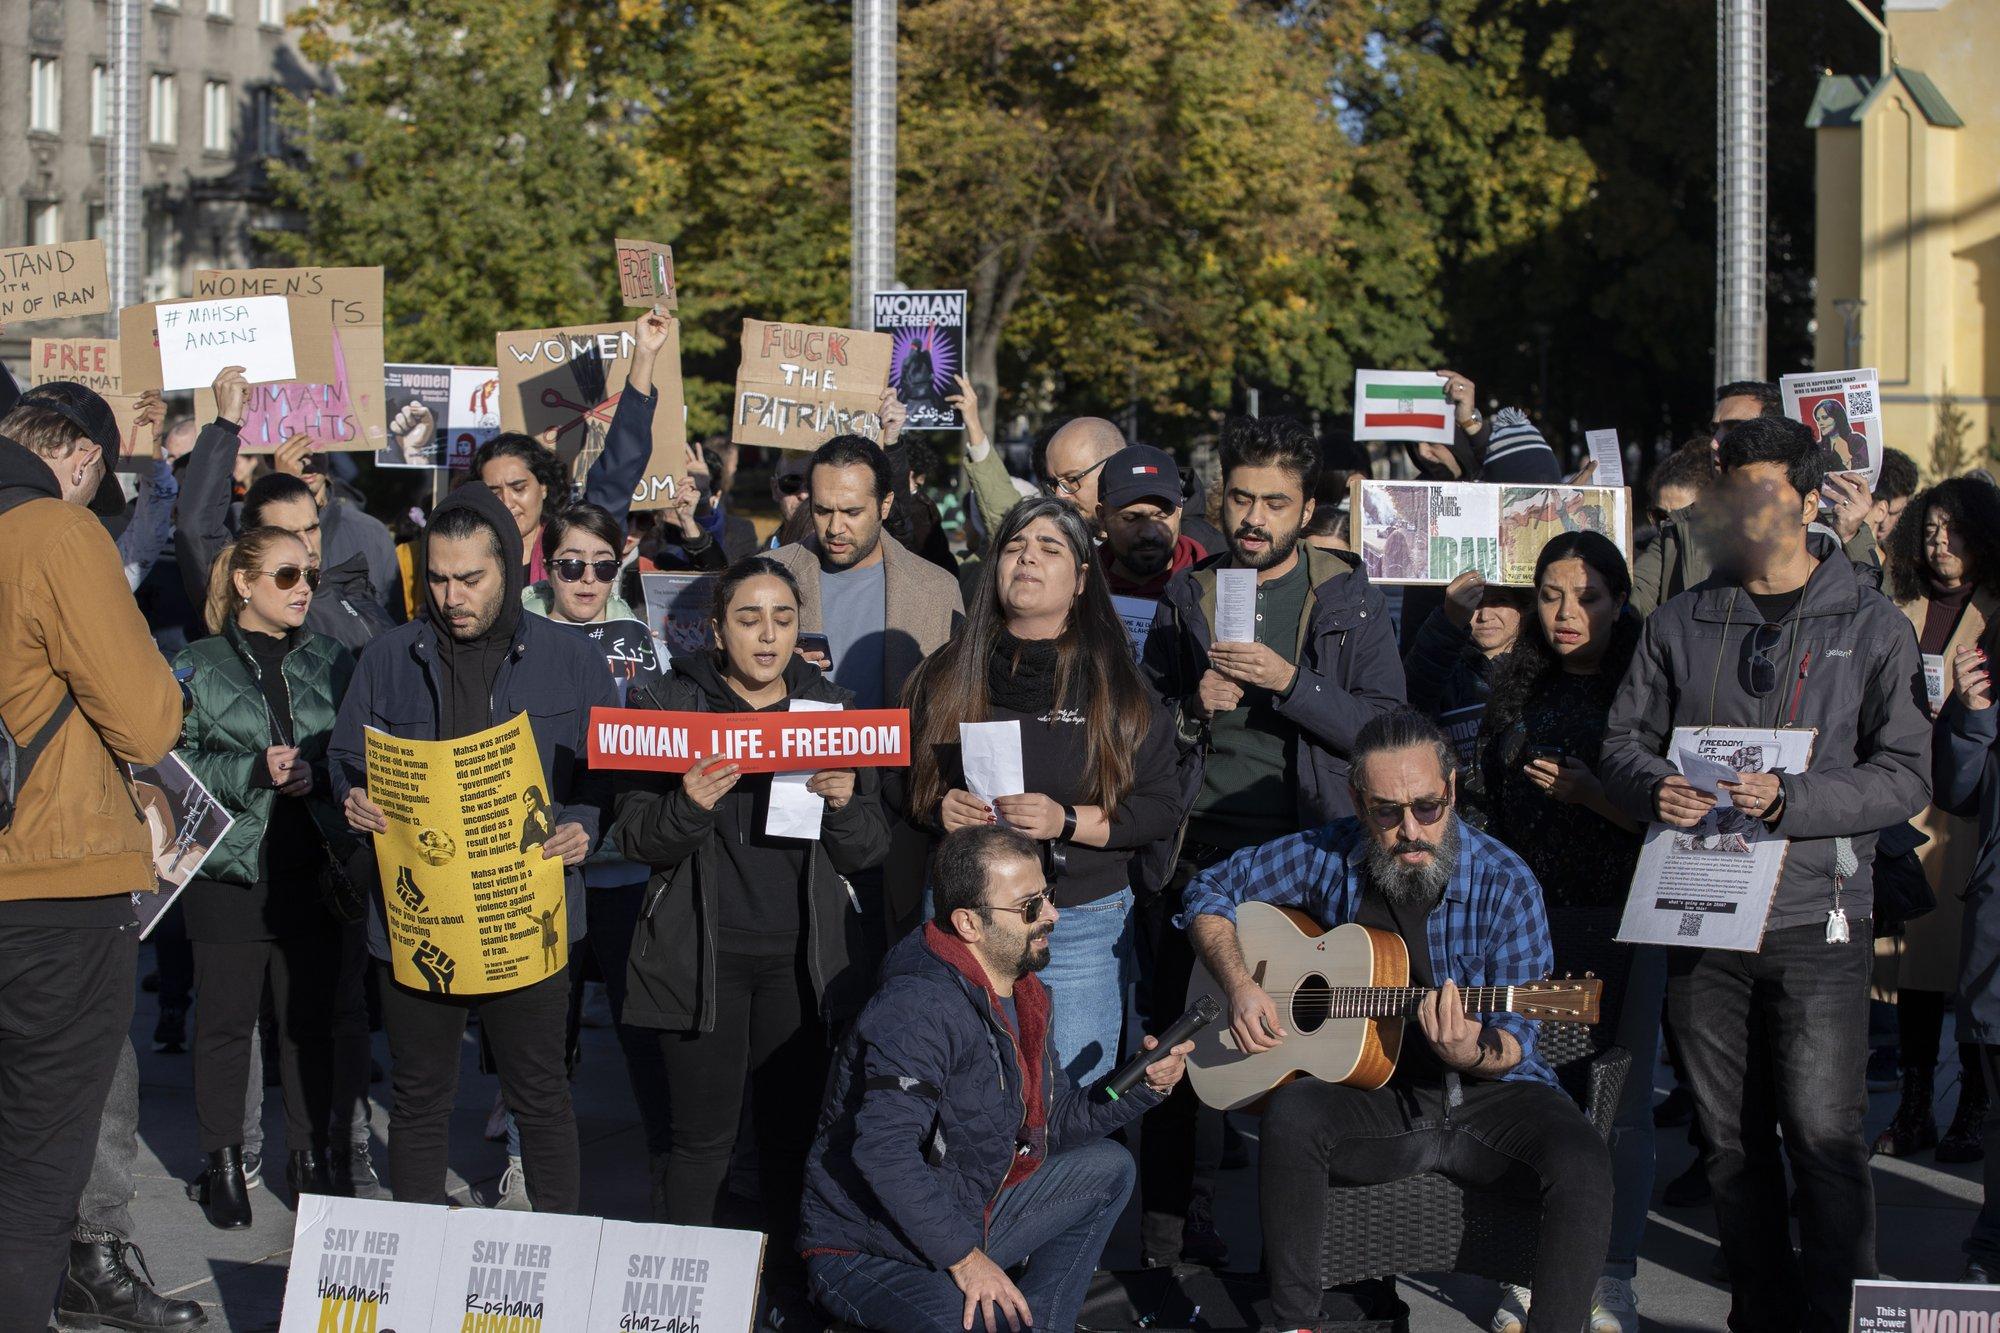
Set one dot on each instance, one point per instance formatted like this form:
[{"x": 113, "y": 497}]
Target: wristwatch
[{"x": 1069, "y": 824}]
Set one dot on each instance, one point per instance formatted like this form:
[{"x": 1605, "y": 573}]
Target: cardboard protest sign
[
  {"x": 651, "y": 1276},
  {"x": 568, "y": 380},
  {"x": 199, "y": 339},
  {"x": 1844, "y": 409},
  {"x": 650, "y": 741},
  {"x": 363, "y": 1264},
  {"x": 336, "y": 398},
  {"x": 473, "y": 906},
  {"x": 677, "y": 610},
  {"x": 95, "y": 364},
  {"x": 184, "y": 824},
  {"x": 53, "y": 282},
  {"x": 927, "y": 351},
  {"x": 508, "y": 1272},
  {"x": 438, "y": 415},
  {"x": 1432, "y": 531},
  {"x": 646, "y": 274},
  {"x": 1401, "y": 405},
  {"x": 799, "y": 385}
]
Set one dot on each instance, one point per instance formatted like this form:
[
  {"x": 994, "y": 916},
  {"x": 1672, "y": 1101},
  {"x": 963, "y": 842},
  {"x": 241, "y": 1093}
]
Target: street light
[
  {"x": 1740, "y": 119},
  {"x": 874, "y": 151}
]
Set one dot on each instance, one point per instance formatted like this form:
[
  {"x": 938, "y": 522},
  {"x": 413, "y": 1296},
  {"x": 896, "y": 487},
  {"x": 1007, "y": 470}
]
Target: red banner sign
[{"x": 649, "y": 741}]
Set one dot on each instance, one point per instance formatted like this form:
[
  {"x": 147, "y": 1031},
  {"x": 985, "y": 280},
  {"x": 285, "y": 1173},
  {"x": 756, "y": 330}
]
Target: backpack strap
[{"x": 33, "y": 749}]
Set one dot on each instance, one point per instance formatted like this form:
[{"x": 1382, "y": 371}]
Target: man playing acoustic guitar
[{"x": 1472, "y": 1100}]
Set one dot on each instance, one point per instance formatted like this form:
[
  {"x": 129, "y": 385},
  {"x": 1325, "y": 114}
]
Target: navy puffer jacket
[{"x": 935, "y": 1104}]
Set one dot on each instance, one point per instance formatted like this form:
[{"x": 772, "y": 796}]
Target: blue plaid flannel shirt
[{"x": 1490, "y": 930}]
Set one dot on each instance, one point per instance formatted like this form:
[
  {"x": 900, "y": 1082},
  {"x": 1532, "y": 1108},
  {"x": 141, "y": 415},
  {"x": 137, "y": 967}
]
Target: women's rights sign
[{"x": 650, "y": 741}]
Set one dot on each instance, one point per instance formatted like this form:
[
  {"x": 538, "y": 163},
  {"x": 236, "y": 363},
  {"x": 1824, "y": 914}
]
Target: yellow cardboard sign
[{"x": 473, "y": 907}]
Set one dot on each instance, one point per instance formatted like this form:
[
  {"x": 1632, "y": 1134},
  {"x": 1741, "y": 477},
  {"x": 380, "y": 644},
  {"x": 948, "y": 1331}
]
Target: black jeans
[
  {"x": 1920, "y": 1029},
  {"x": 65, "y": 1006},
  {"x": 1778, "y": 1039},
  {"x": 1524, "y": 1138},
  {"x": 1180, "y": 1143},
  {"x": 614, "y": 919},
  {"x": 524, "y": 1029},
  {"x": 229, "y": 983},
  {"x": 352, "y": 1048},
  {"x": 767, "y": 1029}
]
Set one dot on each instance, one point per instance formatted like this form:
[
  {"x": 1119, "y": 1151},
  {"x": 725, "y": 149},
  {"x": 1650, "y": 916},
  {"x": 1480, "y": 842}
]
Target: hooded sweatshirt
[{"x": 469, "y": 667}]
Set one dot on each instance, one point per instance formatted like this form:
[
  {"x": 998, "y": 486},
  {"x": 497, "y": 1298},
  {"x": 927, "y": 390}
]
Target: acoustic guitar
[{"x": 1343, "y": 996}]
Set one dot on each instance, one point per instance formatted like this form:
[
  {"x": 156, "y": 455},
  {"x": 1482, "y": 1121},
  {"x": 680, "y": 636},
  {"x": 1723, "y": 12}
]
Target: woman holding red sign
[{"x": 752, "y": 948}]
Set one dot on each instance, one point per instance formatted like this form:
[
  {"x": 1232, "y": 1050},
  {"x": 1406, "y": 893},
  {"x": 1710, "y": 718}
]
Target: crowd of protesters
[{"x": 1472, "y": 768}]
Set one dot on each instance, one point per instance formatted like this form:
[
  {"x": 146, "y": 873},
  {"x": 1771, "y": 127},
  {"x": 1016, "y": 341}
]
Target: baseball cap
[
  {"x": 83, "y": 408},
  {"x": 1140, "y": 472}
]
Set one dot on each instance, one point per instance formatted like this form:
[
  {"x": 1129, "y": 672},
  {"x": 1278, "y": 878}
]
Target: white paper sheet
[
  {"x": 991, "y": 754},
  {"x": 1704, "y": 772},
  {"x": 1137, "y": 613},
  {"x": 796, "y": 812},
  {"x": 199, "y": 338},
  {"x": 1236, "y": 606},
  {"x": 1934, "y": 680},
  {"x": 1610, "y": 459}
]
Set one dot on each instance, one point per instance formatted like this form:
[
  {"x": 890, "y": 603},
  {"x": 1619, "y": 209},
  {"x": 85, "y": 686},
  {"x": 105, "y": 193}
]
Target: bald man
[{"x": 1075, "y": 455}]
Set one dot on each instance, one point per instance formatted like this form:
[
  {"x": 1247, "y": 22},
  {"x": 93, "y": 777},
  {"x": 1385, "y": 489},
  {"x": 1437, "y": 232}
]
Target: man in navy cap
[{"x": 1139, "y": 510}]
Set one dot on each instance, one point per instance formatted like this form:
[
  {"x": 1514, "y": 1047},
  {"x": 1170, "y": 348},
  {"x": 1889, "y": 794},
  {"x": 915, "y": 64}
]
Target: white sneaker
[
  {"x": 514, "y": 1188},
  {"x": 1512, "y": 1315},
  {"x": 1614, "y": 1308}
]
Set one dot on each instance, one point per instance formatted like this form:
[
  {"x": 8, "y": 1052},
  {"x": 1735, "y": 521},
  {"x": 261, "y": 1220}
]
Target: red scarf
[{"x": 1031, "y": 1003}]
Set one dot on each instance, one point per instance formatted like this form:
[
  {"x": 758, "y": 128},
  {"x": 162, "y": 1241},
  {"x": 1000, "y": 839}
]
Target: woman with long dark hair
[
  {"x": 1831, "y": 425},
  {"x": 1539, "y": 743},
  {"x": 752, "y": 949},
  {"x": 262, "y": 693},
  {"x": 532, "y": 482},
  {"x": 1942, "y": 567},
  {"x": 1043, "y": 646}
]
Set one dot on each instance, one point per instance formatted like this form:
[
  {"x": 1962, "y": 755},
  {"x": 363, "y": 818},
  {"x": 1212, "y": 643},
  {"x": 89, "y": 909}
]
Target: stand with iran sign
[
  {"x": 1402, "y": 405},
  {"x": 653, "y": 741}
]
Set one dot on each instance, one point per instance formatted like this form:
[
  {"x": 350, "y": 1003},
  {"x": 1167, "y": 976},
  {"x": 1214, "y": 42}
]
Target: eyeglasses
[
  {"x": 1389, "y": 814},
  {"x": 571, "y": 571},
  {"x": 287, "y": 577},
  {"x": 1031, "y": 910},
  {"x": 791, "y": 483},
  {"x": 1069, "y": 483},
  {"x": 1763, "y": 667}
]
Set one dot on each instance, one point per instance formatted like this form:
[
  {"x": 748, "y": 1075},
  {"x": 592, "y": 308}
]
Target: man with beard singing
[{"x": 1470, "y": 1098}]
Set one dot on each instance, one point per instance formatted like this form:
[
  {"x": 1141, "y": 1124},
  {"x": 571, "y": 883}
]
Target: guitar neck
[{"x": 1402, "y": 1001}]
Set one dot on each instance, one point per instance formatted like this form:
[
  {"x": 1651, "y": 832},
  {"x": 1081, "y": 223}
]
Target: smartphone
[
  {"x": 817, "y": 643},
  {"x": 1553, "y": 752}
]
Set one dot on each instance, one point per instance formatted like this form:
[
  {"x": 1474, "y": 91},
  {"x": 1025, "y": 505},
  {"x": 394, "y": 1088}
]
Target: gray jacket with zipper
[
  {"x": 670, "y": 976},
  {"x": 1848, "y": 667}
]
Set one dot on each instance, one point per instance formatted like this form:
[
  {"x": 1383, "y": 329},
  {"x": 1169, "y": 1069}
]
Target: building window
[
  {"x": 162, "y": 258},
  {"x": 164, "y": 110},
  {"x": 97, "y": 222},
  {"x": 271, "y": 13},
  {"x": 45, "y": 224},
  {"x": 221, "y": 9},
  {"x": 45, "y": 94},
  {"x": 264, "y": 122},
  {"x": 215, "y": 116},
  {"x": 100, "y": 101}
]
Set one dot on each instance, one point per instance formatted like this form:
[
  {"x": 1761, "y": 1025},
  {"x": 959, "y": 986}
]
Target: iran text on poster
[{"x": 927, "y": 352}]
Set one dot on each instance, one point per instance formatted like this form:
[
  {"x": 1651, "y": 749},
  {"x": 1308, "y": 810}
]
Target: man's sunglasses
[
  {"x": 571, "y": 571},
  {"x": 287, "y": 577},
  {"x": 1069, "y": 483},
  {"x": 1031, "y": 910},
  {"x": 791, "y": 483},
  {"x": 1763, "y": 667},
  {"x": 1389, "y": 814}
]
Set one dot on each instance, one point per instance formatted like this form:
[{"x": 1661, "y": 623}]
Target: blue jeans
[
  {"x": 1089, "y": 963},
  {"x": 1056, "y": 1221}
]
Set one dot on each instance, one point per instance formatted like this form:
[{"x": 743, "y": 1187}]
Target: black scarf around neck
[{"x": 1021, "y": 674}]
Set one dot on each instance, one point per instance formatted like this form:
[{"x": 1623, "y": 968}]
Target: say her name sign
[
  {"x": 650, "y": 741},
  {"x": 799, "y": 385},
  {"x": 53, "y": 282}
]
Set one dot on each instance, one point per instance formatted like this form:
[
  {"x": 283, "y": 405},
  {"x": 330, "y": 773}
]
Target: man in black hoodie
[{"x": 471, "y": 660}]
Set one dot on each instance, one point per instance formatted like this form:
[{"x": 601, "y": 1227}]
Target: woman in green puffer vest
[{"x": 262, "y": 693}]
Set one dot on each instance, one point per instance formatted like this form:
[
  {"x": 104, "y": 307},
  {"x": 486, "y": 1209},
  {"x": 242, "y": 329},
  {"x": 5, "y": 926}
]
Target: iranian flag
[{"x": 1401, "y": 405}]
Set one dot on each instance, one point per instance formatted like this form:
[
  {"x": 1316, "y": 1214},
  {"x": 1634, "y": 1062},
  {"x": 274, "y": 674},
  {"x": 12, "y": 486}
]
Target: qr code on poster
[
  {"x": 1690, "y": 925},
  {"x": 1860, "y": 403}
]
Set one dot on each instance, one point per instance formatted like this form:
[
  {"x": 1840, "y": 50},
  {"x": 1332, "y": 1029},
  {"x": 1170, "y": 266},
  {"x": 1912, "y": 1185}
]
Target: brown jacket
[
  {"x": 68, "y": 622},
  {"x": 924, "y": 606}
]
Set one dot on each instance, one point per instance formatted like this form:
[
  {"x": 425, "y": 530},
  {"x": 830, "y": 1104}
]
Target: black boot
[
  {"x": 351, "y": 1172},
  {"x": 305, "y": 1173},
  {"x": 101, "y": 1291},
  {"x": 221, "y": 1190},
  {"x": 1965, "y": 1140},
  {"x": 1912, "y": 1130}
]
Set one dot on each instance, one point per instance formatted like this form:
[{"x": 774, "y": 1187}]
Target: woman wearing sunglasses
[
  {"x": 1942, "y": 567},
  {"x": 584, "y": 563},
  {"x": 753, "y": 949},
  {"x": 1043, "y": 646},
  {"x": 261, "y": 698},
  {"x": 1538, "y": 749}
]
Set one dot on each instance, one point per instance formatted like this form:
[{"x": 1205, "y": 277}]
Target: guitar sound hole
[{"x": 1310, "y": 1003}]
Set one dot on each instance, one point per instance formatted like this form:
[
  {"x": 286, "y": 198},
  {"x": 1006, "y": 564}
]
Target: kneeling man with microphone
[{"x": 952, "y": 1147}]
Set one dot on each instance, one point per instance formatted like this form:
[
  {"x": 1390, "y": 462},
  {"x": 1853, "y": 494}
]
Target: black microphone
[{"x": 1203, "y": 1012}]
